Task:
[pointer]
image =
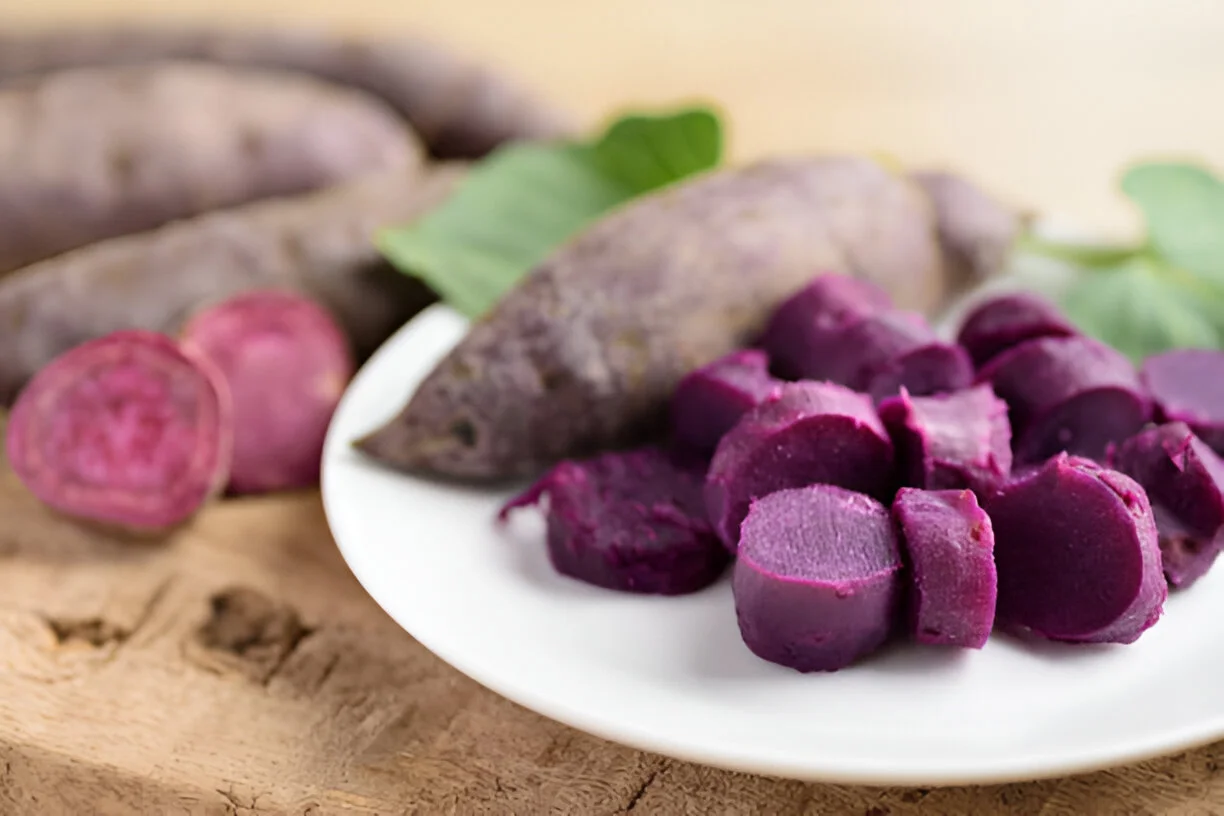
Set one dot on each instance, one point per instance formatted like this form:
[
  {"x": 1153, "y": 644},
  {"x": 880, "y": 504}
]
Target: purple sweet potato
[
  {"x": 1002, "y": 322},
  {"x": 1184, "y": 480},
  {"x": 125, "y": 430},
  {"x": 709, "y": 401},
  {"x": 1188, "y": 386},
  {"x": 949, "y": 544},
  {"x": 1077, "y": 554},
  {"x": 1071, "y": 394},
  {"x": 632, "y": 521},
  {"x": 950, "y": 441},
  {"x": 976, "y": 230},
  {"x": 92, "y": 154},
  {"x": 286, "y": 363},
  {"x": 684, "y": 276},
  {"x": 319, "y": 244},
  {"x": 804, "y": 433},
  {"x": 463, "y": 110},
  {"x": 817, "y": 583},
  {"x": 806, "y": 322}
]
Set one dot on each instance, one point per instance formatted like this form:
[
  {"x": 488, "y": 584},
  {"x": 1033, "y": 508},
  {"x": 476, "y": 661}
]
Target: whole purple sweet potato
[
  {"x": 1184, "y": 480},
  {"x": 1188, "y": 386},
  {"x": 709, "y": 401},
  {"x": 1072, "y": 394},
  {"x": 1001, "y": 322},
  {"x": 976, "y": 230},
  {"x": 631, "y": 521},
  {"x": 1077, "y": 554},
  {"x": 461, "y": 109},
  {"x": 817, "y": 582},
  {"x": 126, "y": 430},
  {"x": 684, "y": 276},
  {"x": 949, "y": 544},
  {"x": 91, "y": 154},
  {"x": 950, "y": 441},
  {"x": 286, "y": 364},
  {"x": 805, "y": 433},
  {"x": 806, "y": 322}
]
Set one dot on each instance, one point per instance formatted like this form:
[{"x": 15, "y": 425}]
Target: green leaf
[
  {"x": 1079, "y": 254},
  {"x": 526, "y": 199},
  {"x": 1141, "y": 307},
  {"x": 1183, "y": 205}
]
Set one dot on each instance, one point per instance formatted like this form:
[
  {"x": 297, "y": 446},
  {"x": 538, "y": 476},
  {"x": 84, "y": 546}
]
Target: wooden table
[{"x": 237, "y": 668}]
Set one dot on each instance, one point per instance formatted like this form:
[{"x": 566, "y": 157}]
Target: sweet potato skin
[
  {"x": 90, "y": 154},
  {"x": 683, "y": 277},
  {"x": 461, "y": 109},
  {"x": 319, "y": 244}
]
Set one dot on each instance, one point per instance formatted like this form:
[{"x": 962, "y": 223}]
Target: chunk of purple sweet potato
[
  {"x": 1077, "y": 555},
  {"x": 1072, "y": 394},
  {"x": 802, "y": 326},
  {"x": 1184, "y": 480},
  {"x": 709, "y": 401},
  {"x": 1188, "y": 386},
  {"x": 950, "y": 546},
  {"x": 950, "y": 441},
  {"x": 804, "y": 433},
  {"x": 125, "y": 430},
  {"x": 817, "y": 582},
  {"x": 1001, "y": 322},
  {"x": 631, "y": 521}
]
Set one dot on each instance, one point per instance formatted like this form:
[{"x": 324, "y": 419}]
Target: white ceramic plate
[{"x": 671, "y": 674}]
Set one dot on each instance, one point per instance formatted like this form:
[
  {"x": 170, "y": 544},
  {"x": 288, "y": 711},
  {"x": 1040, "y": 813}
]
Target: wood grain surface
[{"x": 236, "y": 667}]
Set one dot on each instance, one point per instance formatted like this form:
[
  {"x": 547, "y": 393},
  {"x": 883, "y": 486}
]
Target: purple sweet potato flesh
[
  {"x": 934, "y": 368},
  {"x": 803, "y": 324},
  {"x": 804, "y": 433},
  {"x": 286, "y": 362},
  {"x": 950, "y": 548},
  {"x": 1077, "y": 554},
  {"x": 950, "y": 441},
  {"x": 1002, "y": 322},
  {"x": 818, "y": 579},
  {"x": 631, "y": 521},
  {"x": 1188, "y": 386},
  {"x": 709, "y": 401},
  {"x": 1184, "y": 481},
  {"x": 1184, "y": 556},
  {"x": 1067, "y": 394},
  {"x": 125, "y": 430}
]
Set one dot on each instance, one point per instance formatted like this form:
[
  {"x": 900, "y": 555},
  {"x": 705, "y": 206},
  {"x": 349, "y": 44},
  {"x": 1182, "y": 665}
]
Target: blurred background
[{"x": 1040, "y": 100}]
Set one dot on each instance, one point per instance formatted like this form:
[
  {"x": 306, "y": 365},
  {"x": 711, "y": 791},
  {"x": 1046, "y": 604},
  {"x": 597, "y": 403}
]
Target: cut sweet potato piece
[
  {"x": 999, "y": 323},
  {"x": 709, "y": 401},
  {"x": 817, "y": 582},
  {"x": 631, "y": 521},
  {"x": 125, "y": 430},
  {"x": 1077, "y": 555},
  {"x": 286, "y": 363},
  {"x": 1072, "y": 394},
  {"x": 805, "y": 433},
  {"x": 1188, "y": 386},
  {"x": 949, "y": 543},
  {"x": 950, "y": 441}
]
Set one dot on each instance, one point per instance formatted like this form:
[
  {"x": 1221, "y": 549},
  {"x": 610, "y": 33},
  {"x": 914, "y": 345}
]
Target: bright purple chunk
[{"x": 709, "y": 401}]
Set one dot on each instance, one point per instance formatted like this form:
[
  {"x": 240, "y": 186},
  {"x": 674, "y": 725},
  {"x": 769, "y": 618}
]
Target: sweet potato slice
[
  {"x": 1184, "y": 480},
  {"x": 949, "y": 545},
  {"x": 999, "y": 323},
  {"x": 1077, "y": 554},
  {"x": 1072, "y": 394},
  {"x": 805, "y": 433},
  {"x": 817, "y": 583},
  {"x": 631, "y": 521},
  {"x": 125, "y": 430},
  {"x": 1188, "y": 386},
  {"x": 709, "y": 401},
  {"x": 286, "y": 363},
  {"x": 950, "y": 441}
]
